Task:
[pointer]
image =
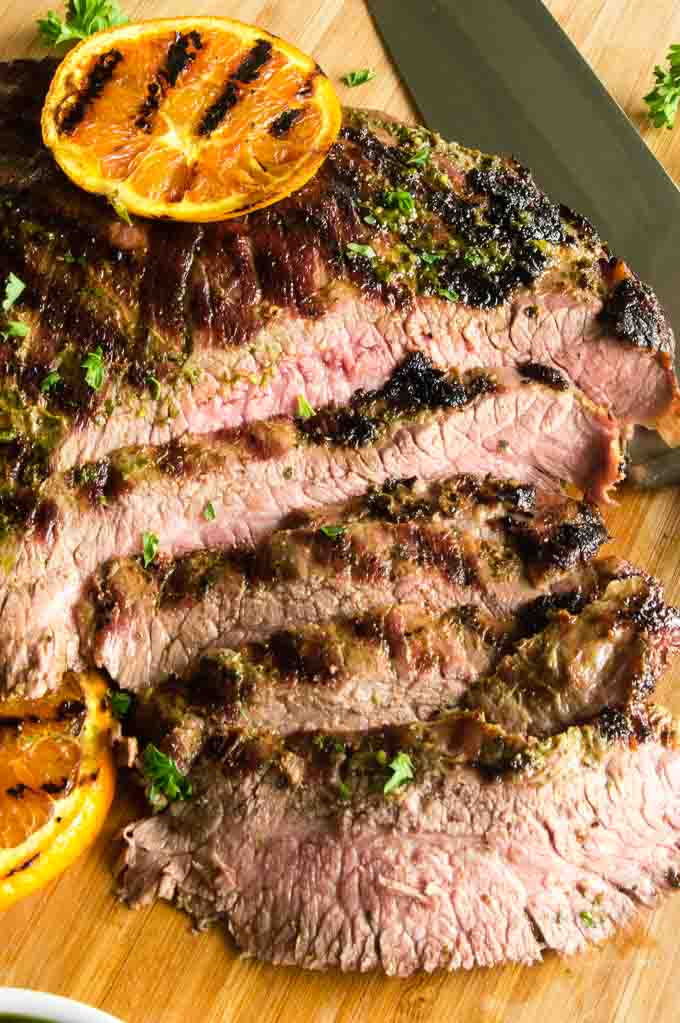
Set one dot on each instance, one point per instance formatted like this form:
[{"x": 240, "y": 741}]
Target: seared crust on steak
[
  {"x": 603, "y": 645},
  {"x": 499, "y": 848},
  {"x": 206, "y": 327},
  {"x": 485, "y": 543},
  {"x": 428, "y": 424}
]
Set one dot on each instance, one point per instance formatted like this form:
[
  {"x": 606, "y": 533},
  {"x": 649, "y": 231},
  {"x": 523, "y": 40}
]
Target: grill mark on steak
[
  {"x": 273, "y": 299},
  {"x": 406, "y": 544},
  {"x": 300, "y": 876},
  {"x": 74, "y": 107}
]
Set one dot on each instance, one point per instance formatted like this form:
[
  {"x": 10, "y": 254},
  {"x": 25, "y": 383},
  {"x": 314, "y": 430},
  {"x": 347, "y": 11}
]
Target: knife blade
[{"x": 502, "y": 76}]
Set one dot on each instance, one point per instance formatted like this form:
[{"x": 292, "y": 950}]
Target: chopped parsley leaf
[
  {"x": 355, "y": 249},
  {"x": 333, "y": 532},
  {"x": 370, "y": 219},
  {"x": 154, "y": 387},
  {"x": 474, "y": 256},
  {"x": 83, "y": 18},
  {"x": 420, "y": 157},
  {"x": 344, "y": 790},
  {"x": 451, "y": 296},
  {"x": 587, "y": 918},
  {"x": 16, "y": 329},
  {"x": 431, "y": 258},
  {"x": 50, "y": 381},
  {"x": 120, "y": 703},
  {"x": 13, "y": 289},
  {"x": 209, "y": 513},
  {"x": 166, "y": 778},
  {"x": 359, "y": 77},
  {"x": 304, "y": 409},
  {"x": 93, "y": 364},
  {"x": 149, "y": 548},
  {"x": 401, "y": 200},
  {"x": 401, "y": 767}
]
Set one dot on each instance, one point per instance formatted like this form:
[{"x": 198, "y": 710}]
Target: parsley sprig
[
  {"x": 167, "y": 781},
  {"x": 82, "y": 18},
  {"x": 664, "y": 99}
]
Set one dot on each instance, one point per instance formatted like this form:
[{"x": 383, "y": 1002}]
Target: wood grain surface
[{"x": 73, "y": 938}]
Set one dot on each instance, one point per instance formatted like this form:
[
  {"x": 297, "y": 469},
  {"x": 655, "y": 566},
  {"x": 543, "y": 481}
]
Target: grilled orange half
[
  {"x": 190, "y": 118},
  {"x": 56, "y": 781}
]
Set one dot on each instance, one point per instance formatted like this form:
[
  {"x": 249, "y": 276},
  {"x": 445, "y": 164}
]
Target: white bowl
[{"x": 20, "y": 1002}]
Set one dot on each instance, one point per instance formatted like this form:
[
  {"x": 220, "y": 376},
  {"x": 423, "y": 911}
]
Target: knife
[{"x": 502, "y": 76}]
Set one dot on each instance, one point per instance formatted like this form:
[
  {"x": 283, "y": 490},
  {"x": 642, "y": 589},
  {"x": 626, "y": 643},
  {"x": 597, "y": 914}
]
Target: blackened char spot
[
  {"x": 149, "y": 106},
  {"x": 54, "y": 788},
  {"x": 284, "y": 122},
  {"x": 251, "y": 66},
  {"x": 69, "y": 709},
  {"x": 632, "y": 311},
  {"x": 182, "y": 52},
  {"x": 535, "y": 616},
  {"x": 218, "y": 110},
  {"x": 418, "y": 384},
  {"x": 102, "y": 72},
  {"x": 616, "y": 725},
  {"x": 547, "y": 375},
  {"x": 415, "y": 385}
]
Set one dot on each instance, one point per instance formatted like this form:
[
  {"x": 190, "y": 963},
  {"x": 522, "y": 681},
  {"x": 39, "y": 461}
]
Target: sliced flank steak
[
  {"x": 465, "y": 541},
  {"x": 401, "y": 243},
  {"x": 422, "y": 423},
  {"x": 423, "y": 847},
  {"x": 560, "y": 660}
]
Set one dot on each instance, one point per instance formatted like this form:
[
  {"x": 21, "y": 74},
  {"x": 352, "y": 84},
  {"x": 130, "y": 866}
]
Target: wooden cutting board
[{"x": 73, "y": 938}]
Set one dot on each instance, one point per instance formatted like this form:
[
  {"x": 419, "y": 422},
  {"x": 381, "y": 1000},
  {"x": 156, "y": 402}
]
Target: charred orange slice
[
  {"x": 190, "y": 118},
  {"x": 56, "y": 781}
]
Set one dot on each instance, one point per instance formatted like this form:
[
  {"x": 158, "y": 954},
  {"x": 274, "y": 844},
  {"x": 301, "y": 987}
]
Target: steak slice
[
  {"x": 560, "y": 660},
  {"x": 611, "y": 652},
  {"x": 489, "y": 543},
  {"x": 206, "y": 327},
  {"x": 423, "y": 423},
  {"x": 497, "y": 850}
]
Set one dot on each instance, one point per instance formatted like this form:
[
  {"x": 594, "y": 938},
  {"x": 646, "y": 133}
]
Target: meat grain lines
[{"x": 443, "y": 316}]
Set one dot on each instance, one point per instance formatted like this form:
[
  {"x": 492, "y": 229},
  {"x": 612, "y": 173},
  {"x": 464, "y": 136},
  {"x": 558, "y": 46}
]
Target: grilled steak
[
  {"x": 562, "y": 659},
  {"x": 423, "y": 422},
  {"x": 498, "y": 849},
  {"x": 466, "y": 541},
  {"x": 205, "y": 327},
  {"x": 611, "y": 652}
]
